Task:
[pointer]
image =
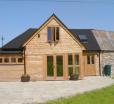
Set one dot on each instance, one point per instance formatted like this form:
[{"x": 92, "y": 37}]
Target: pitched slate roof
[
  {"x": 105, "y": 39},
  {"x": 17, "y": 42},
  {"x": 96, "y": 39},
  {"x": 10, "y": 51},
  {"x": 91, "y": 43}
]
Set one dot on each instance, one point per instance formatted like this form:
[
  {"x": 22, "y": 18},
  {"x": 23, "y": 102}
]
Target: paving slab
[{"x": 42, "y": 91}]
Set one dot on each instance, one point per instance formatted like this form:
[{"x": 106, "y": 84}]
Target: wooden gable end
[
  {"x": 39, "y": 43},
  {"x": 38, "y": 48},
  {"x": 54, "y": 21}
]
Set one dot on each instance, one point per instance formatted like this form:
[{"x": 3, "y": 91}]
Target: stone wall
[{"x": 108, "y": 58}]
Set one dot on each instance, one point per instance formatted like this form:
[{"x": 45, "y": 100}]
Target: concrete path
[{"x": 41, "y": 91}]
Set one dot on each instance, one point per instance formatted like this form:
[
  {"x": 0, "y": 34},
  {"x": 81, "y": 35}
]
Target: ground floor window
[
  {"x": 73, "y": 64},
  {"x": 90, "y": 59},
  {"x": 20, "y": 60},
  {"x": 11, "y": 60},
  {"x": 1, "y": 60},
  {"x": 6, "y": 60}
]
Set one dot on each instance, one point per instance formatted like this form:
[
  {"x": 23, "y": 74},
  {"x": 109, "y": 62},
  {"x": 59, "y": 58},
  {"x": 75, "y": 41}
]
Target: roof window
[{"x": 83, "y": 38}]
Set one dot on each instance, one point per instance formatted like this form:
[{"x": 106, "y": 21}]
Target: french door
[{"x": 55, "y": 67}]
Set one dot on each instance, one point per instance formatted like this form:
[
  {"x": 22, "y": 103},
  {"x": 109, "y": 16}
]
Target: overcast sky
[{"x": 18, "y": 15}]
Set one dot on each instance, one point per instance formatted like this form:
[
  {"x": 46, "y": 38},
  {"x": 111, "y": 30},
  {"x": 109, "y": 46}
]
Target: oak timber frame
[
  {"x": 37, "y": 48},
  {"x": 65, "y": 66}
]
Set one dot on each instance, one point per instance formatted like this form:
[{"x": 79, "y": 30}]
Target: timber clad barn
[{"x": 54, "y": 52}]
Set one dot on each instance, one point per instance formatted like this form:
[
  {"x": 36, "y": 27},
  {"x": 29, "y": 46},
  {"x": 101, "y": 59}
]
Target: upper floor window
[
  {"x": 53, "y": 34},
  {"x": 90, "y": 59}
]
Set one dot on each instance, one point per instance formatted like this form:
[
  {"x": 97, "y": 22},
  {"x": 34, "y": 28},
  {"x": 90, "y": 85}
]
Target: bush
[
  {"x": 74, "y": 77},
  {"x": 25, "y": 78}
]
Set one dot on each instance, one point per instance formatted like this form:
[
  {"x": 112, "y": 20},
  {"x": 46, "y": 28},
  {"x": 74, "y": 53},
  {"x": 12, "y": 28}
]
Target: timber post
[{"x": 25, "y": 62}]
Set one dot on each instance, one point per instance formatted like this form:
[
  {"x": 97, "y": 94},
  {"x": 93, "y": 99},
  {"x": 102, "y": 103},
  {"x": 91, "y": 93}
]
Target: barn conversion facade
[{"x": 54, "y": 52}]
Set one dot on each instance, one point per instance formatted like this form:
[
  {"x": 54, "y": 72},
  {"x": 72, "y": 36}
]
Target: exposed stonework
[{"x": 108, "y": 58}]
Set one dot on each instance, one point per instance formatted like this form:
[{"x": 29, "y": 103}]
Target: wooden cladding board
[
  {"x": 11, "y": 72},
  {"x": 36, "y": 53},
  {"x": 41, "y": 46},
  {"x": 38, "y": 48},
  {"x": 34, "y": 66}
]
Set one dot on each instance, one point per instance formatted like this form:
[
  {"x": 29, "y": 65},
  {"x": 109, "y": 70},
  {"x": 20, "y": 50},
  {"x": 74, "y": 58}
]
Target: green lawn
[{"x": 102, "y": 96}]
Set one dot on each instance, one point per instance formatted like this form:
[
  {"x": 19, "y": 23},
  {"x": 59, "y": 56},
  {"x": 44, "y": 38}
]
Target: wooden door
[
  {"x": 90, "y": 68},
  {"x": 55, "y": 66},
  {"x": 50, "y": 68},
  {"x": 59, "y": 67}
]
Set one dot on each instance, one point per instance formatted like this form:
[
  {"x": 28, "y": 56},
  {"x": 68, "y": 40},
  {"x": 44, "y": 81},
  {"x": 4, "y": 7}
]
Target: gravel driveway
[{"x": 41, "y": 91}]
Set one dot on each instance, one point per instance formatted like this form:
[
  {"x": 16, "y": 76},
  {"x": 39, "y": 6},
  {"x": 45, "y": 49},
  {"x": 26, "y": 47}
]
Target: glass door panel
[
  {"x": 70, "y": 71},
  {"x": 76, "y": 70},
  {"x": 76, "y": 59},
  {"x": 59, "y": 65},
  {"x": 50, "y": 66}
]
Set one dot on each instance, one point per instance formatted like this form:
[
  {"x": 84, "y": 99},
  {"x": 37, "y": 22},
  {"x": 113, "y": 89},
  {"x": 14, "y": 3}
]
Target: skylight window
[{"x": 83, "y": 38}]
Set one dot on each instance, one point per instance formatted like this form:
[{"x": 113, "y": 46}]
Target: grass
[{"x": 102, "y": 96}]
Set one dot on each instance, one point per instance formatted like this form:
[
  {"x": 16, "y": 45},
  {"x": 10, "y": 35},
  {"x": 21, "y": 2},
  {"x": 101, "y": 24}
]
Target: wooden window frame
[
  {"x": 20, "y": 58},
  {"x": 1, "y": 60},
  {"x": 74, "y": 62},
  {"x": 55, "y": 67},
  {"x": 13, "y": 58},
  {"x": 48, "y": 35},
  {"x": 53, "y": 34},
  {"x": 56, "y": 34},
  {"x": 91, "y": 59},
  {"x": 8, "y": 60},
  {"x": 68, "y": 60}
]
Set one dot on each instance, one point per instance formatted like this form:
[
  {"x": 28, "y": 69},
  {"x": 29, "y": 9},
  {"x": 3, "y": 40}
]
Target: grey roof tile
[
  {"x": 105, "y": 39},
  {"x": 91, "y": 43},
  {"x": 17, "y": 42},
  {"x": 97, "y": 39}
]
